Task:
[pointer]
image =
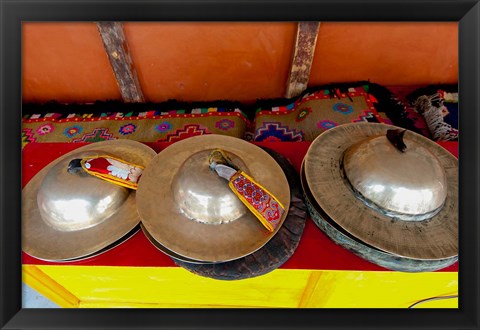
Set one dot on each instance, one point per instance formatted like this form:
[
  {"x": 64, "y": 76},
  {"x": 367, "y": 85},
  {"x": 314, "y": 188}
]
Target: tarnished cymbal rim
[
  {"x": 363, "y": 250},
  {"x": 42, "y": 241},
  {"x": 433, "y": 238},
  {"x": 198, "y": 240}
]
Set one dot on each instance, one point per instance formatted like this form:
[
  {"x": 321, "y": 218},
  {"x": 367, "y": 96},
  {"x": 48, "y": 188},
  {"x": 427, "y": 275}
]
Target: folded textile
[{"x": 438, "y": 104}]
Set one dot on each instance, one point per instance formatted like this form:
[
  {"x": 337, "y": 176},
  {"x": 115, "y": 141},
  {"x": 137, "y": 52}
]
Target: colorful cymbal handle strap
[
  {"x": 109, "y": 168},
  {"x": 261, "y": 202}
]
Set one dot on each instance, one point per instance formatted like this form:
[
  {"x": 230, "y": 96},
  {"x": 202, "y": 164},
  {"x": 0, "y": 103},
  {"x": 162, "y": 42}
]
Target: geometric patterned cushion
[
  {"x": 169, "y": 127},
  {"x": 315, "y": 113}
]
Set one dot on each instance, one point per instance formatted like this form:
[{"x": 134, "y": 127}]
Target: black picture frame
[{"x": 14, "y": 12}]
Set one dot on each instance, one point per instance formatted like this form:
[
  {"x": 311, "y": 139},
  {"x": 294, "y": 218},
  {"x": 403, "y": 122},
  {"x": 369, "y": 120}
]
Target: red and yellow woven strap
[
  {"x": 113, "y": 170},
  {"x": 259, "y": 200}
]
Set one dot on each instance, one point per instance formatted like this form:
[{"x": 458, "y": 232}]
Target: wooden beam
[
  {"x": 116, "y": 47},
  {"x": 302, "y": 58}
]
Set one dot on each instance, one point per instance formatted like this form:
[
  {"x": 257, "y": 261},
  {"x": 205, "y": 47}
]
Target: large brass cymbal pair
[
  {"x": 396, "y": 208},
  {"x": 185, "y": 209},
  {"x": 68, "y": 217},
  {"x": 200, "y": 219}
]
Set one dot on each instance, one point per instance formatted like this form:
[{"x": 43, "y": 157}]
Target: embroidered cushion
[
  {"x": 144, "y": 126},
  {"x": 315, "y": 112}
]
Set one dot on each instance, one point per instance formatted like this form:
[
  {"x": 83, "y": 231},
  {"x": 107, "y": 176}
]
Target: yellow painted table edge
[{"x": 175, "y": 287}]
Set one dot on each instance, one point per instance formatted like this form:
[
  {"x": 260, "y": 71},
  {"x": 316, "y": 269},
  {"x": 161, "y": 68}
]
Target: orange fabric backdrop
[{"x": 230, "y": 60}]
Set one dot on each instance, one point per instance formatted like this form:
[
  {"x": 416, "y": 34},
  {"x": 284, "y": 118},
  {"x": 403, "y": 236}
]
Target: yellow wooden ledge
[
  {"x": 38, "y": 280},
  {"x": 175, "y": 287}
]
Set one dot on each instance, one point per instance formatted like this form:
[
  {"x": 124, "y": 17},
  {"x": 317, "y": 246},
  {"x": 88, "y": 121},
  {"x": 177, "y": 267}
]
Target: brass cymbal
[
  {"x": 108, "y": 248},
  {"x": 432, "y": 236},
  {"x": 68, "y": 216},
  {"x": 360, "y": 248},
  {"x": 190, "y": 210}
]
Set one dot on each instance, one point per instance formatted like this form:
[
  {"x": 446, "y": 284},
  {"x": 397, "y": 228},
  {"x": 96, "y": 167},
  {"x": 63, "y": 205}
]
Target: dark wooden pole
[
  {"x": 116, "y": 47},
  {"x": 302, "y": 58}
]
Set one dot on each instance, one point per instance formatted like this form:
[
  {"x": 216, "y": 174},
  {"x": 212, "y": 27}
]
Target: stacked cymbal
[
  {"x": 191, "y": 214},
  {"x": 70, "y": 217},
  {"x": 388, "y": 195}
]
